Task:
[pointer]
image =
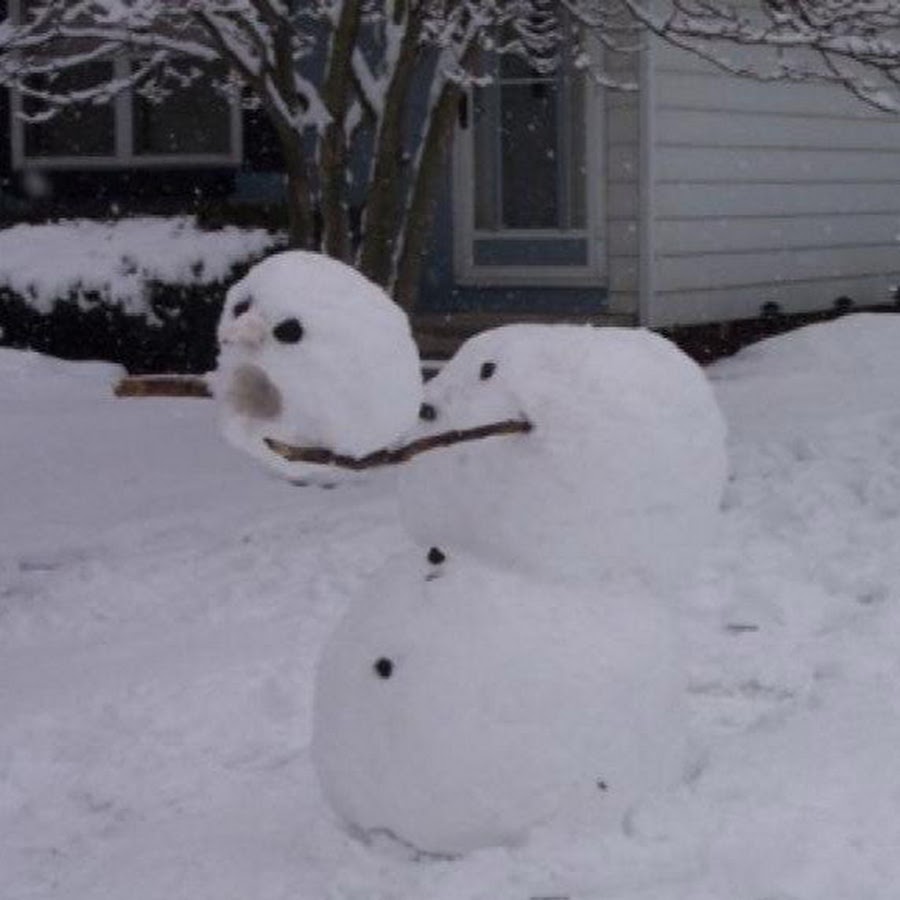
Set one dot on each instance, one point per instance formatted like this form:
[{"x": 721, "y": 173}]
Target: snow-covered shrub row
[
  {"x": 117, "y": 260},
  {"x": 144, "y": 291}
]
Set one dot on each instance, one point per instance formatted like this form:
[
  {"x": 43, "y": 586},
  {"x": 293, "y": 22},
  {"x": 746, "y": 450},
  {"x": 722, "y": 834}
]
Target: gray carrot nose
[{"x": 252, "y": 394}]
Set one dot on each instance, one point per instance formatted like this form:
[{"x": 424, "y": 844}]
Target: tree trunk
[
  {"x": 419, "y": 219},
  {"x": 334, "y": 151},
  {"x": 301, "y": 220},
  {"x": 384, "y": 202}
]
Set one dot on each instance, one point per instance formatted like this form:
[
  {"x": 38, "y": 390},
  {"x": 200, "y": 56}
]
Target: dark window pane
[
  {"x": 86, "y": 130},
  {"x": 528, "y": 141},
  {"x": 576, "y": 153},
  {"x": 193, "y": 120},
  {"x": 514, "y": 67},
  {"x": 487, "y": 160}
]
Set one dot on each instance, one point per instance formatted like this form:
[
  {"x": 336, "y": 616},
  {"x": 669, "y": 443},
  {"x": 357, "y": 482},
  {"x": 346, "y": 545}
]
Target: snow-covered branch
[{"x": 809, "y": 40}]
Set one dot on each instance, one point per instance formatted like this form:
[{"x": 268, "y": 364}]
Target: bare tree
[
  {"x": 381, "y": 80},
  {"x": 337, "y": 80}
]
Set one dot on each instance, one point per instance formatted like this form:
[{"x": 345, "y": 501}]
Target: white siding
[
  {"x": 784, "y": 192},
  {"x": 622, "y": 176}
]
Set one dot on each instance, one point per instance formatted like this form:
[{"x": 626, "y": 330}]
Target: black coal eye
[
  {"x": 487, "y": 369},
  {"x": 427, "y": 412},
  {"x": 383, "y": 667},
  {"x": 290, "y": 331},
  {"x": 436, "y": 556},
  {"x": 241, "y": 307}
]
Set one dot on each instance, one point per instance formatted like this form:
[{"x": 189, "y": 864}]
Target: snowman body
[
  {"x": 621, "y": 474},
  {"x": 313, "y": 354},
  {"x": 457, "y": 706}
]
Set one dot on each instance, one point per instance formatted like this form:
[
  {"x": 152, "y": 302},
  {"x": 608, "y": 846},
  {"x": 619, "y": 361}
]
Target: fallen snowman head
[{"x": 300, "y": 337}]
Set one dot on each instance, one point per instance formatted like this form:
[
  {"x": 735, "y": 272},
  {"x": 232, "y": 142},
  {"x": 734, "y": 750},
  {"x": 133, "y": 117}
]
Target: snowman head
[
  {"x": 312, "y": 352},
  {"x": 624, "y": 460},
  {"x": 491, "y": 379}
]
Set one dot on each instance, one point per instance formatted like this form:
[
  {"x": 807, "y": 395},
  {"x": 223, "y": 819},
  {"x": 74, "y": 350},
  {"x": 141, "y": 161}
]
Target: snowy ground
[{"x": 162, "y": 603}]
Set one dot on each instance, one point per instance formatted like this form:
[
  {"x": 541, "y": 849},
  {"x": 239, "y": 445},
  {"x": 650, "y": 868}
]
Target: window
[
  {"x": 530, "y": 150},
  {"x": 529, "y": 173},
  {"x": 196, "y": 120},
  {"x": 87, "y": 131},
  {"x": 195, "y": 125}
]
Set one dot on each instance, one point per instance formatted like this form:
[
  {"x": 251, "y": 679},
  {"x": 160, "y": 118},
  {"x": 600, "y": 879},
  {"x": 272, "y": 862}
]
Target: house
[{"x": 697, "y": 198}]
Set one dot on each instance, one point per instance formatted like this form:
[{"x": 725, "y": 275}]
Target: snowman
[
  {"x": 313, "y": 353},
  {"x": 523, "y": 666}
]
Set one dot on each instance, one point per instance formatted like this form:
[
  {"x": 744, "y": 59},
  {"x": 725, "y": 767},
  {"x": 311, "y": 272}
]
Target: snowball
[
  {"x": 621, "y": 474},
  {"x": 458, "y": 705},
  {"x": 314, "y": 354}
]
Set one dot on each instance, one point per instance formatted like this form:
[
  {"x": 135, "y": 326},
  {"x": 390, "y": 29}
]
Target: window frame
[{"x": 124, "y": 156}]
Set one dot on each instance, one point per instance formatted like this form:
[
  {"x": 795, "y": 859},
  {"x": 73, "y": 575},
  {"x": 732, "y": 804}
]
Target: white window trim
[
  {"x": 124, "y": 156},
  {"x": 591, "y": 274}
]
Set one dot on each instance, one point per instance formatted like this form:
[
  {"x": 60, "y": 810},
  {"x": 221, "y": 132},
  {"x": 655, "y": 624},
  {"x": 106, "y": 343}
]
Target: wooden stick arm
[
  {"x": 163, "y": 386},
  {"x": 397, "y": 455},
  {"x": 198, "y": 386}
]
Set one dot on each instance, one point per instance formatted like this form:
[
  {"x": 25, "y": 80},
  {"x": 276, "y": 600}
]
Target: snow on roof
[{"x": 119, "y": 259}]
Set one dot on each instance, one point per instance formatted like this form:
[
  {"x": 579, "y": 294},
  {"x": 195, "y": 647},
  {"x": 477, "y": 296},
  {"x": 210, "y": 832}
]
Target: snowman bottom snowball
[{"x": 457, "y": 706}]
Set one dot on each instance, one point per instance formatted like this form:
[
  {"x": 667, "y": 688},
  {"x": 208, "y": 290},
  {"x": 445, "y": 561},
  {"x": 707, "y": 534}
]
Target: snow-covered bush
[{"x": 144, "y": 292}]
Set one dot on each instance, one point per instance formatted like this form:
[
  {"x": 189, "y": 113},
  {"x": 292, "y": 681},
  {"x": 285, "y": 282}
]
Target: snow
[
  {"x": 117, "y": 259},
  {"x": 458, "y": 705},
  {"x": 848, "y": 367},
  {"x": 347, "y": 378},
  {"x": 163, "y": 602},
  {"x": 621, "y": 474}
]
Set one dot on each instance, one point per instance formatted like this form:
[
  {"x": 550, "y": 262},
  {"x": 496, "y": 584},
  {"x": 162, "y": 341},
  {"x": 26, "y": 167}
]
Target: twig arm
[
  {"x": 397, "y": 455},
  {"x": 163, "y": 386}
]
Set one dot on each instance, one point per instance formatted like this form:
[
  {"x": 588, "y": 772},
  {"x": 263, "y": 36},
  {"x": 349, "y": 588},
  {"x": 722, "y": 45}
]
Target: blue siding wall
[{"x": 441, "y": 294}]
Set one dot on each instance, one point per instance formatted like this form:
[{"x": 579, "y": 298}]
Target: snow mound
[
  {"x": 457, "y": 705},
  {"x": 862, "y": 345},
  {"x": 117, "y": 259},
  {"x": 314, "y": 354},
  {"x": 821, "y": 373},
  {"x": 28, "y": 371},
  {"x": 622, "y": 472}
]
